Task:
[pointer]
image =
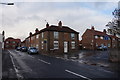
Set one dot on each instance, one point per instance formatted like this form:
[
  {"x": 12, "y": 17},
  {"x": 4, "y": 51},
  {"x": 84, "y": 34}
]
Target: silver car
[{"x": 32, "y": 50}]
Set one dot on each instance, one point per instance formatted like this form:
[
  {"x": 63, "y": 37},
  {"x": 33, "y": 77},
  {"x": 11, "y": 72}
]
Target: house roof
[
  {"x": 59, "y": 29},
  {"x": 97, "y": 32},
  {"x": 56, "y": 28},
  {"x": 11, "y": 39}
]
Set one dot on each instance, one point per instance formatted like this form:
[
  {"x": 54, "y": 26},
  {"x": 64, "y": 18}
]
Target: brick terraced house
[
  {"x": 92, "y": 38},
  {"x": 54, "y": 39},
  {"x": 11, "y": 43}
]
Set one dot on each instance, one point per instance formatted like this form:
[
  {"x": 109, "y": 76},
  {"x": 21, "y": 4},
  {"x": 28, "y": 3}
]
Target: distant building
[
  {"x": 54, "y": 39},
  {"x": 1, "y": 42},
  {"x": 11, "y": 43},
  {"x": 92, "y": 38}
]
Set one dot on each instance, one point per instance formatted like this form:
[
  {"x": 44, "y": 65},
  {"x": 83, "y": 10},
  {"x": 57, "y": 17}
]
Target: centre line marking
[
  {"x": 77, "y": 74},
  {"x": 44, "y": 61}
]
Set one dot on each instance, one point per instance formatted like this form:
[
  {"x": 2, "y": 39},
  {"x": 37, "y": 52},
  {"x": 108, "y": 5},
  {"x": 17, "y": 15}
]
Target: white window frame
[
  {"x": 37, "y": 36},
  {"x": 72, "y": 44},
  {"x": 101, "y": 37},
  {"x": 42, "y": 45},
  {"x": 56, "y": 45},
  {"x": 37, "y": 46},
  {"x": 72, "y": 35},
  {"x": 109, "y": 45},
  {"x": 56, "y": 35},
  {"x": 42, "y": 34},
  {"x": 96, "y": 37},
  {"x": 96, "y": 44},
  {"x": 13, "y": 42},
  {"x": 7, "y": 41}
]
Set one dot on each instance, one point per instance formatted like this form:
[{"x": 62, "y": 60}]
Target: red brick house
[
  {"x": 92, "y": 38},
  {"x": 11, "y": 43},
  {"x": 54, "y": 39}
]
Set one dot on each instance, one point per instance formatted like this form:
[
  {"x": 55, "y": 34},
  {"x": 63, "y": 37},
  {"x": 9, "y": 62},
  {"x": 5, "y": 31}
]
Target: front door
[{"x": 65, "y": 47}]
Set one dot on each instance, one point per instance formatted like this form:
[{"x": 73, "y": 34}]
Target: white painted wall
[
  {"x": 1, "y": 41},
  {"x": 1, "y": 38}
]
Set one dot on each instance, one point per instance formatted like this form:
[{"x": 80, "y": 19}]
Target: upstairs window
[
  {"x": 42, "y": 34},
  {"x": 7, "y": 42},
  {"x": 37, "y": 36},
  {"x": 101, "y": 37},
  {"x": 96, "y": 37},
  {"x": 56, "y": 35},
  {"x": 72, "y": 36},
  {"x": 56, "y": 45},
  {"x": 13, "y": 42}
]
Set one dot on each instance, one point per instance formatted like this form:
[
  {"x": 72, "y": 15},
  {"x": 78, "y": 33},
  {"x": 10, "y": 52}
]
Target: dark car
[
  {"x": 18, "y": 48},
  {"x": 24, "y": 49},
  {"x": 102, "y": 48},
  {"x": 32, "y": 50}
]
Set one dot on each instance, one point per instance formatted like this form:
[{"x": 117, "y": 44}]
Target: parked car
[
  {"x": 18, "y": 48},
  {"x": 24, "y": 49},
  {"x": 102, "y": 48},
  {"x": 32, "y": 50}
]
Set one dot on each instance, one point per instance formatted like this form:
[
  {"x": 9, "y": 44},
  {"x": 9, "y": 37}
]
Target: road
[{"x": 20, "y": 65}]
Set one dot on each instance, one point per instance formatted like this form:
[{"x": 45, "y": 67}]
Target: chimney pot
[
  {"x": 47, "y": 25},
  {"x": 30, "y": 34},
  {"x": 36, "y": 31},
  {"x": 60, "y": 24},
  {"x": 104, "y": 31},
  {"x": 3, "y": 33}
]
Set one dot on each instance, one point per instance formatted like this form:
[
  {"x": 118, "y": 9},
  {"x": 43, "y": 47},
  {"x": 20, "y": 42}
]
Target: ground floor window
[
  {"x": 56, "y": 45},
  {"x": 37, "y": 46},
  {"x": 73, "y": 45},
  {"x": 108, "y": 45},
  {"x": 42, "y": 47}
]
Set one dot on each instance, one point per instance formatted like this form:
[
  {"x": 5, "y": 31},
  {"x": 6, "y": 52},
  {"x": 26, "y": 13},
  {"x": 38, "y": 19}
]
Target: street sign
[{"x": 106, "y": 37}]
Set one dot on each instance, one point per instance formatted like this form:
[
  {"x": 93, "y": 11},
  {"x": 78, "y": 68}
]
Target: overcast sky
[{"x": 24, "y": 17}]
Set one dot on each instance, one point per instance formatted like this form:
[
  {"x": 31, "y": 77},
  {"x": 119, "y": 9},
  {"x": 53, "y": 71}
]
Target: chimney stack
[
  {"x": 92, "y": 28},
  {"x": 47, "y": 25},
  {"x": 3, "y": 33},
  {"x": 30, "y": 33},
  {"x": 104, "y": 31},
  {"x": 36, "y": 31},
  {"x": 60, "y": 24}
]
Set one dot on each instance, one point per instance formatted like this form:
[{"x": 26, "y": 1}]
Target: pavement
[
  {"x": 90, "y": 57},
  {"x": 21, "y": 65}
]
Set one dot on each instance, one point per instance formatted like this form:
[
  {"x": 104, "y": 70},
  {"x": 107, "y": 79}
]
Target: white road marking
[
  {"x": 31, "y": 56},
  {"x": 44, "y": 61},
  {"x": 16, "y": 70},
  {"x": 106, "y": 71},
  {"x": 77, "y": 74}
]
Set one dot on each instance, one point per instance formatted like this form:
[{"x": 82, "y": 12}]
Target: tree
[
  {"x": 114, "y": 25},
  {"x": 114, "y": 29}
]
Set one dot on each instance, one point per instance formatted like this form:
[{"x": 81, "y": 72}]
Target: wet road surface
[{"x": 22, "y": 65}]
